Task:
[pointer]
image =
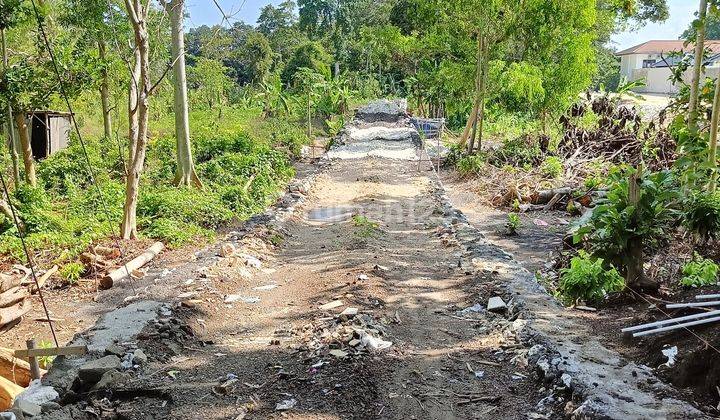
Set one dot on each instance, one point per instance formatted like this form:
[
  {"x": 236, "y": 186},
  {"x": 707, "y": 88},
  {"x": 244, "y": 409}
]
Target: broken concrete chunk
[
  {"x": 286, "y": 404},
  {"x": 240, "y": 298},
  {"x": 115, "y": 349},
  {"x": 93, "y": 370},
  {"x": 28, "y": 408},
  {"x": 349, "y": 311},
  {"x": 139, "y": 357},
  {"x": 331, "y": 305},
  {"x": 110, "y": 379},
  {"x": 338, "y": 353},
  {"x": 496, "y": 304},
  {"x": 354, "y": 342}
]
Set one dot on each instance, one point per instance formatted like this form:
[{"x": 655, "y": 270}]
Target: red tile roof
[{"x": 658, "y": 46}]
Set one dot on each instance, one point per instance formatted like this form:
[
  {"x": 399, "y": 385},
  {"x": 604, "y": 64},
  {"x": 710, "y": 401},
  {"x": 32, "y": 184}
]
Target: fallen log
[
  {"x": 8, "y": 392},
  {"x": 8, "y": 282},
  {"x": 11, "y": 313},
  {"x": 107, "y": 252},
  {"x": 42, "y": 279},
  {"x": 120, "y": 273},
  {"x": 14, "y": 369},
  {"x": 12, "y": 296},
  {"x": 544, "y": 196}
]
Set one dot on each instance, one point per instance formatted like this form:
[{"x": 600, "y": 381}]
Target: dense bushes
[
  {"x": 589, "y": 279},
  {"x": 243, "y": 164}
]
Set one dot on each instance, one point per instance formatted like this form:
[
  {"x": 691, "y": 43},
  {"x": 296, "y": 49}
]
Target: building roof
[
  {"x": 666, "y": 46},
  {"x": 673, "y": 60}
]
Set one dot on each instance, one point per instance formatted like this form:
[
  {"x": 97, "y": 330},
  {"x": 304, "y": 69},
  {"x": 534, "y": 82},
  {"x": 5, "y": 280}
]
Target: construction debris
[
  {"x": 331, "y": 305},
  {"x": 496, "y": 304}
]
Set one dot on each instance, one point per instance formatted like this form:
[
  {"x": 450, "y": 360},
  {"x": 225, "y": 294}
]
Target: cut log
[
  {"x": 553, "y": 201},
  {"x": 8, "y": 282},
  {"x": 8, "y": 392},
  {"x": 14, "y": 369},
  {"x": 139, "y": 261},
  {"x": 107, "y": 252},
  {"x": 44, "y": 278},
  {"x": 544, "y": 196},
  {"x": 12, "y": 296},
  {"x": 11, "y": 313}
]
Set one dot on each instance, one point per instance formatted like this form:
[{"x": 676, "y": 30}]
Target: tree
[
  {"x": 138, "y": 113},
  {"x": 273, "y": 19},
  {"x": 712, "y": 28},
  {"x": 185, "y": 173},
  {"x": 697, "y": 66},
  {"x": 310, "y": 55},
  {"x": 10, "y": 13}
]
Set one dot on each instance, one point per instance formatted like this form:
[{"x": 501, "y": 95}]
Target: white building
[{"x": 651, "y": 61}]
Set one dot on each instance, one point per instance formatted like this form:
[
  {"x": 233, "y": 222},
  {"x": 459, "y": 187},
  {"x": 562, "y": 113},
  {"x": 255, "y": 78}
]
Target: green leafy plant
[
  {"x": 614, "y": 222},
  {"x": 364, "y": 227},
  {"x": 470, "y": 165},
  {"x": 45, "y": 361},
  {"x": 552, "y": 167},
  {"x": 588, "y": 279},
  {"x": 513, "y": 224},
  {"x": 72, "y": 272},
  {"x": 699, "y": 272},
  {"x": 702, "y": 215}
]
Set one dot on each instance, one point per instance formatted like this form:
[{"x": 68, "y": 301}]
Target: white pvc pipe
[
  {"x": 671, "y": 321},
  {"x": 675, "y": 327},
  {"x": 693, "y": 304},
  {"x": 699, "y": 297}
]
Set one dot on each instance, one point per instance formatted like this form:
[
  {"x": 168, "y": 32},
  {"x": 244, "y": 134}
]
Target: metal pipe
[
  {"x": 693, "y": 304},
  {"x": 700, "y": 297},
  {"x": 671, "y": 321},
  {"x": 675, "y": 327}
]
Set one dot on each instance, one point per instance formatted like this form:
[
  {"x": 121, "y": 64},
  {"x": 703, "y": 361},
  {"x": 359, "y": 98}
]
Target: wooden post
[{"x": 34, "y": 365}]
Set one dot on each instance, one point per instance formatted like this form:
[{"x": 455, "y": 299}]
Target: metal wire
[{"x": 21, "y": 234}]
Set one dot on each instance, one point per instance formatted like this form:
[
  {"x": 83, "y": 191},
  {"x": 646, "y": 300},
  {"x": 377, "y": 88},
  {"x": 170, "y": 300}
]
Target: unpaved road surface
[{"x": 442, "y": 363}]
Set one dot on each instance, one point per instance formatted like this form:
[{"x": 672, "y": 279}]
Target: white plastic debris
[
  {"x": 566, "y": 379},
  {"x": 241, "y": 298},
  {"x": 479, "y": 374},
  {"x": 476, "y": 308},
  {"x": 372, "y": 342},
  {"x": 266, "y": 287},
  {"x": 671, "y": 354},
  {"x": 286, "y": 404},
  {"x": 362, "y": 277}
]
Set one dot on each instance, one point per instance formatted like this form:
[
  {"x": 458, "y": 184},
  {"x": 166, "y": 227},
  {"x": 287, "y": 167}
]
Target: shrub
[
  {"x": 184, "y": 204},
  {"x": 614, "y": 222},
  {"x": 72, "y": 272},
  {"x": 470, "y": 165},
  {"x": 520, "y": 151},
  {"x": 702, "y": 215},
  {"x": 513, "y": 223},
  {"x": 587, "y": 279},
  {"x": 552, "y": 167},
  {"x": 176, "y": 233},
  {"x": 699, "y": 272},
  {"x": 365, "y": 228}
]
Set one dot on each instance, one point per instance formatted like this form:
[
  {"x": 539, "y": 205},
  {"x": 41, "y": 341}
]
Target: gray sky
[{"x": 204, "y": 12}]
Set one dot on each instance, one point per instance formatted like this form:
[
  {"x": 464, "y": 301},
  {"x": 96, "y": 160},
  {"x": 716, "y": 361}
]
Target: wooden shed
[{"x": 49, "y": 132}]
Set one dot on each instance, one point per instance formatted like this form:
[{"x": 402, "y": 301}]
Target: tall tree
[
  {"x": 9, "y": 15},
  {"x": 139, "y": 97},
  {"x": 273, "y": 19},
  {"x": 697, "y": 66},
  {"x": 185, "y": 173}
]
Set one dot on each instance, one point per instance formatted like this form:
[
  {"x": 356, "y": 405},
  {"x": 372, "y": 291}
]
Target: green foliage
[
  {"x": 471, "y": 164},
  {"x": 552, "y": 167},
  {"x": 702, "y": 214},
  {"x": 311, "y": 55},
  {"x": 71, "y": 272},
  {"x": 588, "y": 279},
  {"x": 45, "y": 361},
  {"x": 513, "y": 224},
  {"x": 522, "y": 86},
  {"x": 176, "y": 233},
  {"x": 364, "y": 227},
  {"x": 699, "y": 272},
  {"x": 614, "y": 222}
]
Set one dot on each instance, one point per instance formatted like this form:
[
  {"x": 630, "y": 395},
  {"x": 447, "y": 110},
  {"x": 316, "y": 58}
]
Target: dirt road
[{"x": 403, "y": 278}]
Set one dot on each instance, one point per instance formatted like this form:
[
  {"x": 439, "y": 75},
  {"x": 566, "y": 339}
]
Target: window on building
[{"x": 648, "y": 63}]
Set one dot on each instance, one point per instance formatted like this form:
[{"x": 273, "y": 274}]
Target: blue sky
[{"x": 204, "y": 12}]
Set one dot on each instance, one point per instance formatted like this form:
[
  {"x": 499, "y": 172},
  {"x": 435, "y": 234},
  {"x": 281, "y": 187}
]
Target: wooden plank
[
  {"x": 52, "y": 351},
  {"x": 15, "y": 369},
  {"x": 8, "y": 392}
]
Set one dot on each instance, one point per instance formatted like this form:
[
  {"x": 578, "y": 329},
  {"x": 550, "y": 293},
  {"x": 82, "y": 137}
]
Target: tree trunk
[
  {"x": 476, "y": 102},
  {"x": 105, "y": 93},
  {"x": 185, "y": 173},
  {"x": 712, "y": 147},
  {"x": 698, "y": 61},
  {"x": 635, "y": 277},
  {"x": 21, "y": 123},
  {"x": 138, "y": 139},
  {"x": 337, "y": 70},
  {"x": 481, "y": 105},
  {"x": 12, "y": 140}
]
